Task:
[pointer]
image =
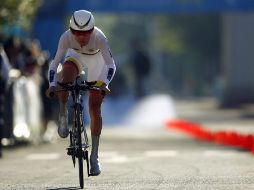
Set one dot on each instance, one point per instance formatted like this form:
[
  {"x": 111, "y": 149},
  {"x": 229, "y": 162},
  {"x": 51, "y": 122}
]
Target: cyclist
[{"x": 85, "y": 47}]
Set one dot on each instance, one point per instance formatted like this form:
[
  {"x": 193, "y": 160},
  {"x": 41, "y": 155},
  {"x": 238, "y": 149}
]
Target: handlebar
[
  {"x": 76, "y": 86},
  {"x": 83, "y": 86}
]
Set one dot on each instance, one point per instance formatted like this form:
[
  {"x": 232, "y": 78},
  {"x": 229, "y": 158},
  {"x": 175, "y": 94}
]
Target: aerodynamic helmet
[{"x": 82, "y": 20}]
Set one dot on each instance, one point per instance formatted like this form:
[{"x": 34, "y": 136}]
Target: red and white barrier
[{"x": 224, "y": 137}]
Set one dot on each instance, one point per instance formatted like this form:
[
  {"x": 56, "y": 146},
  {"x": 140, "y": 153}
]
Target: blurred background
[{"x": 164, "y": 51}]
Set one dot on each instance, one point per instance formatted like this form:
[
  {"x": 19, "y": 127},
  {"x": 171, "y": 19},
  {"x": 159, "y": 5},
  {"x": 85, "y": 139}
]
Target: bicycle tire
[
  {"x": 80, "y": 151},
  {"x": 87, "y": 163},
  {"x": 81, "y": 177},
  {"x": 71, "y": 144},
  {"x": 85, "y": 145}
]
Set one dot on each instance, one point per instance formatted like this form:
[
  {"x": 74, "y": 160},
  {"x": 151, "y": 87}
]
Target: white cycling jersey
[{"x": 95, "y": 57}]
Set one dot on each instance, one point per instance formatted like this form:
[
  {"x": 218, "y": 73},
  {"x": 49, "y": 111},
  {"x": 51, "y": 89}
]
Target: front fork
[{"x": 73, "y": 149}]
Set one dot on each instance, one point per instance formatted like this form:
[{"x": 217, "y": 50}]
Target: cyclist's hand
[
  {"x": 104, "y": 89},
  {"x": 51, "y": 92}
]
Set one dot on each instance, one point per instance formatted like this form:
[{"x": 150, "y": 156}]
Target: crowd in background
[{"x": 22, "y": 59}]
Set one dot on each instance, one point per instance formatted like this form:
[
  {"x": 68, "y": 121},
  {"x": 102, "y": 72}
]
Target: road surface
[
  {"x": 132, "y": 159},
  {"x": 137, "y": 158}
]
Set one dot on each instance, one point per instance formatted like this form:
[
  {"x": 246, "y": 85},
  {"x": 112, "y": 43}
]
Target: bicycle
[{"x": 79, "y": 143}]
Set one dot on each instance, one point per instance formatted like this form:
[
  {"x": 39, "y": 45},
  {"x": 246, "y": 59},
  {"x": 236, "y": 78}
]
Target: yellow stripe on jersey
[{"x": 98, "y": 83}]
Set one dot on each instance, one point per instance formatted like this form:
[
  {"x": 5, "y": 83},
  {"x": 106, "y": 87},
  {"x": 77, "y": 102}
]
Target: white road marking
[
  {"x": 43, "y": 156},
  {"x": 220, "y": 153},
  {"x": 113, "y": 157},
  {"x": 107, "y": 154},
  {"x": 118, "y": 157},
  {"x": 161, "y": 153}
]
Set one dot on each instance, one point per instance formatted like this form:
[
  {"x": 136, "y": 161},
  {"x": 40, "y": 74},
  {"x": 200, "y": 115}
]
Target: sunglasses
[{"x": 80, "y": 33}]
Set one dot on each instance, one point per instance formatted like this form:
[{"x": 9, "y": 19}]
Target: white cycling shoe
[
  {"x": 63, "y": 130},
  {"x": 95, "y": 169}
]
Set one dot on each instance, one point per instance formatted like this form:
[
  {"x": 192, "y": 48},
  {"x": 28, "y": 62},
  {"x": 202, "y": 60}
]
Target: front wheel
[
  {"x": 80, "y": 151},
  {"x": 81, "y": 177}
]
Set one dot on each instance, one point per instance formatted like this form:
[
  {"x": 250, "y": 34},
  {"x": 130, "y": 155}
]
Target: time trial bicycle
[{"x": 79, "y": 144}]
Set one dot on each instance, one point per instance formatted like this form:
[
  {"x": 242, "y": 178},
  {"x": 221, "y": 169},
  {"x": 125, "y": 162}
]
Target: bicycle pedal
[{"x": 85, "y": 155}]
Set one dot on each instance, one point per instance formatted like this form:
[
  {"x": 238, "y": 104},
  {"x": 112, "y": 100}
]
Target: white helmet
[{"x": 82, "y": 20}]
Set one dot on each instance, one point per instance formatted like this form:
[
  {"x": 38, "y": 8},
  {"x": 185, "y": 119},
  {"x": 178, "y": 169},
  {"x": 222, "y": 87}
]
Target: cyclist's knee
[{"x": 69, "y": 73}]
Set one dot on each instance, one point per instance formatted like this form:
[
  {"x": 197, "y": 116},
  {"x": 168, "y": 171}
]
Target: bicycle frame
[{"x": 78, "y": 145}]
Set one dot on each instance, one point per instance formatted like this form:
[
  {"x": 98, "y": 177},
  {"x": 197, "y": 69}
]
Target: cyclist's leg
[
  {"x": 95, "y": 102},
  {"x": 68, "y": 74},
  {"x": 94, "y": 68},
  {"x": 71, "y": 68}
]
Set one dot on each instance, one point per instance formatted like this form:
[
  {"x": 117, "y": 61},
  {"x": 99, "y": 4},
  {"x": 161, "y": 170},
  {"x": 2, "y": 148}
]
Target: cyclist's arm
[
  {"x": 61, "y": 50},
  {"x": 108, "y": 59}
]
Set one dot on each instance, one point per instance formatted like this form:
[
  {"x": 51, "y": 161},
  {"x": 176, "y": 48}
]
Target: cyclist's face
[{"x": 82, "y": 37}]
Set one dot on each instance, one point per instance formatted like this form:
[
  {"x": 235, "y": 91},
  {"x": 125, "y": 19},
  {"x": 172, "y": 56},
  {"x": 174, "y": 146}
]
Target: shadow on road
[{"x": 64, "y": 188}]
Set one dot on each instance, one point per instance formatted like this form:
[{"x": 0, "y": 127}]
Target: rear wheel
[
  {"x": 85, "y": 145},
  {"x": 70, "y": 150}
]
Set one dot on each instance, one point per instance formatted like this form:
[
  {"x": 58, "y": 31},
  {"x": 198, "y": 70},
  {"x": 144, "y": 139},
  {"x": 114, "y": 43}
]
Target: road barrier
[
  {"x": 23, "y": 110},
  {"x": 223, "y": 137}
]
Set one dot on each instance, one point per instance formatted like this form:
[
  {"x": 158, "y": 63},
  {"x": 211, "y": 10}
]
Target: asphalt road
[
  {"x": 132, "y": 159},
  {"x": 139, "y": 158}
]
